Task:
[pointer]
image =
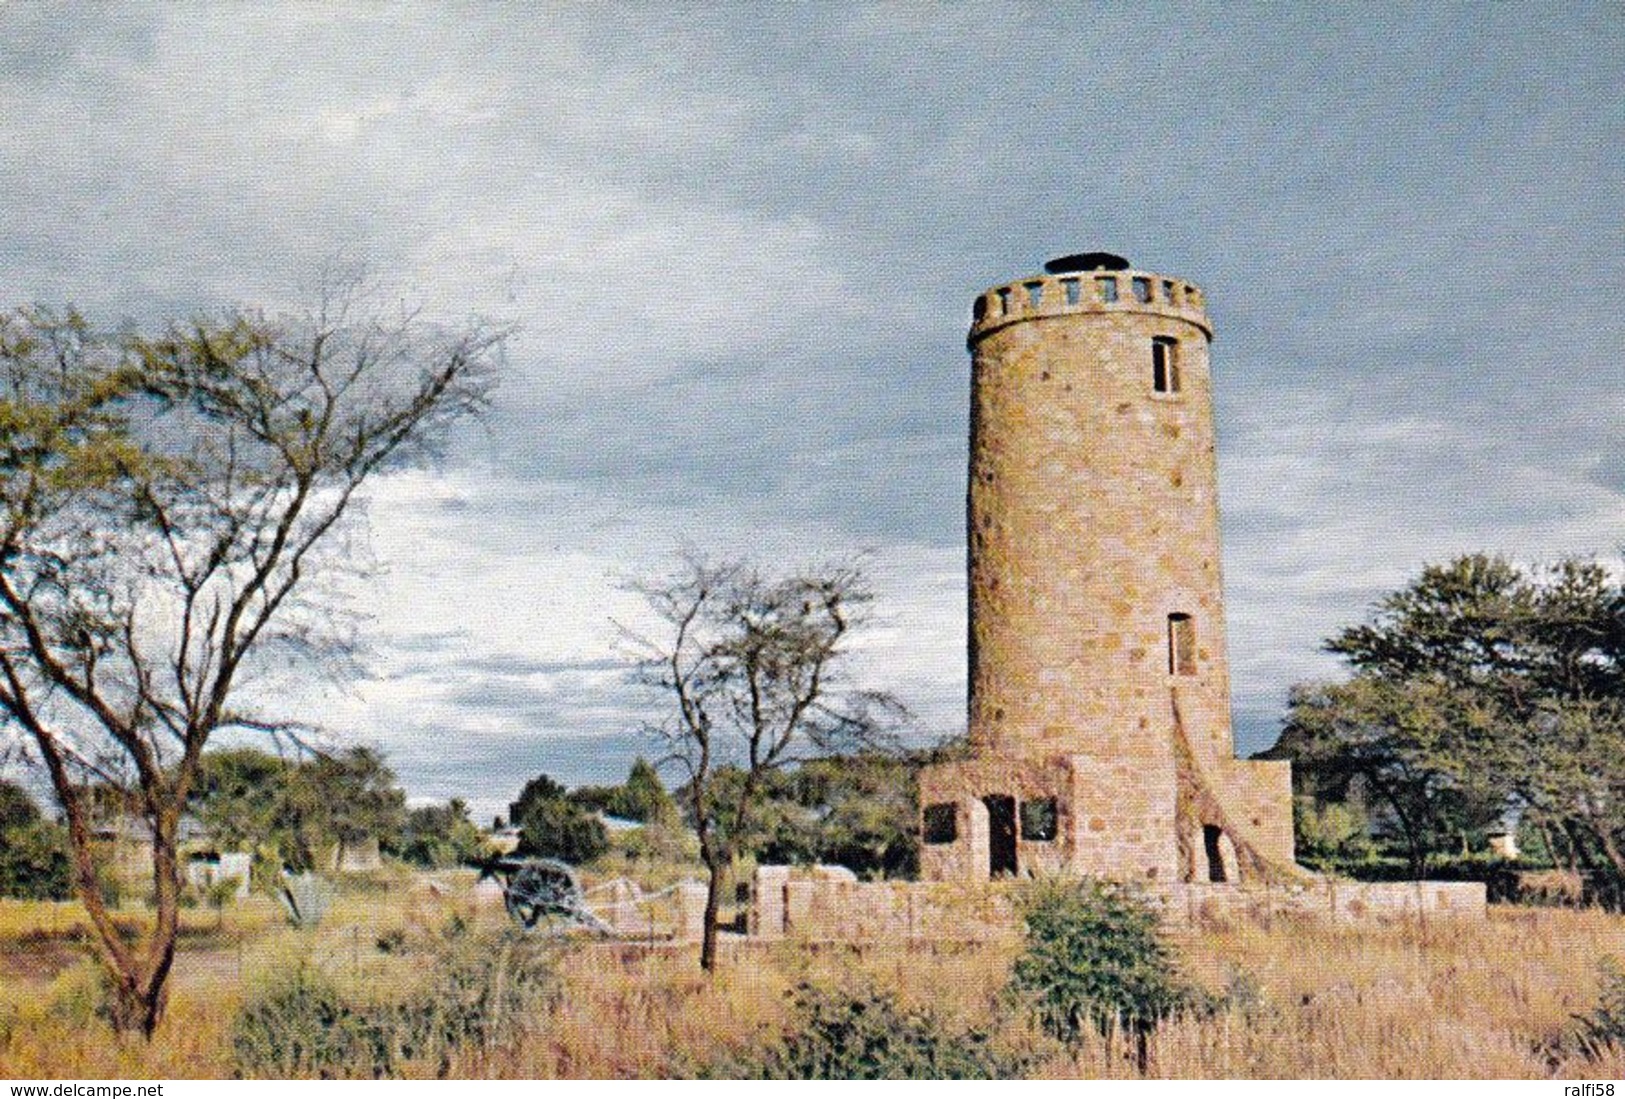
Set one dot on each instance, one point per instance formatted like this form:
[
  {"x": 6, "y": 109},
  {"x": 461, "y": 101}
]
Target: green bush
[
  {"x": 80, "y": 995},
  {"x": 865, "y": 1035},
  {"x": 1603, "y": 1030},
  {"x": 301, "y": 1026},
  {"x": 1094, "y": 957},
  {"x": 486, "y": 989},
  {"x": 438, "y": 836},
  {"x": 558, "y": 829},
  {"x": 33, "y": 852},
  {"x": 482, "y": 991}
]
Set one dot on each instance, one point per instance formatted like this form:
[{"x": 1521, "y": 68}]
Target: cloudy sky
[{"x": 740, "y": 247}]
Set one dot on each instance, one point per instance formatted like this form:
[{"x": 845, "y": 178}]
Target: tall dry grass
[{"x": 1494, "y": 1000}]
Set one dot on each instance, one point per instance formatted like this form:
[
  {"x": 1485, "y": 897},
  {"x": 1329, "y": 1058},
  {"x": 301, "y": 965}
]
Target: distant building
[{"x": 206, "y": 869}]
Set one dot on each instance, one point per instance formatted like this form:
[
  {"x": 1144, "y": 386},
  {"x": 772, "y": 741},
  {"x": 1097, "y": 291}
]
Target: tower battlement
[{"x": 1093, "y": 291}]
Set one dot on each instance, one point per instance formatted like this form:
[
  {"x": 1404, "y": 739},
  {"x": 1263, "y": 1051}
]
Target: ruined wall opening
[
  {"x": 941, "y": 823},
  {"x": 1181, "y": 645},
  {"x": 1001, "y": 835},
  {"x": 1040, "y": 819},
  {"x": 1164, "y": 364},
  {"x": 1211, "y": 835}
]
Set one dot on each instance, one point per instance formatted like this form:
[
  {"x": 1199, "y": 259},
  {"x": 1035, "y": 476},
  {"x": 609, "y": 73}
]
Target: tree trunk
[
  {"x": 141, "y": 987},
  {"x": 138, "y": 980},
  {"x": 713, "y": 907},
  {"x": 1418, "y": 860},
  {"x": 1605, "y": 839},
  {"x": 1549, "y": 841}
]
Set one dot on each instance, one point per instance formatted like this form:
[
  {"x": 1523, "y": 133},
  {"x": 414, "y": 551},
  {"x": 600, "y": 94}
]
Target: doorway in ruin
[
  {"x": 1001, "y": 835},
  {"x": 1211, "y": 835}
]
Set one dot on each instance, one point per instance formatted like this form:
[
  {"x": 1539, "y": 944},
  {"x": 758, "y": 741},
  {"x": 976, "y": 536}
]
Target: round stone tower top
[{"x": 1087, "y": 282}]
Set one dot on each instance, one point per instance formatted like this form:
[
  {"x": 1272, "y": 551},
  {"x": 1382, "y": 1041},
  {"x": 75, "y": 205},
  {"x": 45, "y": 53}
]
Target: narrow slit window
[
  {"x": 1168, "y": 292},
  {"x": 1108, "y": 288},
  {"x": 941, "y": 823},
  {"x": 1035, "y": 294},
  {"x": 1165, "y": 365},
  {"x": 1181, "y": 645},
  {"x": 1142, "y": 289},
  {"x": 1004, "y": 300}
]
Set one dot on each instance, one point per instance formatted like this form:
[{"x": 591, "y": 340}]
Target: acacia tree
[
  {"x": 1478, "y": 688},
  {"x": 752, "y": 665},
  {"x": 163, "y": 500}
]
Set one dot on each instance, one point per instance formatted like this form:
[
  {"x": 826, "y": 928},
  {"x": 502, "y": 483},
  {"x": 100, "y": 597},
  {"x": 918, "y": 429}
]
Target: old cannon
[{"x": 543, "y": 894}]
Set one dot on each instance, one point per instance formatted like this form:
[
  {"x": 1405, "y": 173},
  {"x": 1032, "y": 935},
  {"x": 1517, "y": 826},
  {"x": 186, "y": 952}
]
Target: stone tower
[{"x": 1099, "y": 726}]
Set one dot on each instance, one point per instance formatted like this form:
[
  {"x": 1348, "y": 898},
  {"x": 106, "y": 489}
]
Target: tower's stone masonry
[{"x": 1099, "y": 725}]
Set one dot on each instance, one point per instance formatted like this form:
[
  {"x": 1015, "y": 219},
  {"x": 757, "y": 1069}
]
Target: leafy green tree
[
  {"x": 241, "y": 798},
  {"x": 857, "y": 811},
  {"x": 345, "y": 800},
  {"x": 864, "y": 812},
  {"x": 1480, "y": 688},
  {"x": 167, "y": 498},
  {"x": 17, "y": 808},
  {"x": 302, "y": 810},
  {"x": 33, "y": 853},
  {"x": 1094, "y": 957},
  {"x": 438, "y": 836},
  {"x": 1333, "y": 833},
  {"x": 541, "y": 788},
  {"x": 558, "y": 828},
  {"x": 643, "y": 796},
  {"x": 1409, "y": 744}
]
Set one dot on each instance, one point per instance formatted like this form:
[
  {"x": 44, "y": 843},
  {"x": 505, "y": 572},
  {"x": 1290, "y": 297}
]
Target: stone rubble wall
[
  {"x": 1340, "y": 902},
  {"x": 828, "y": 904}
]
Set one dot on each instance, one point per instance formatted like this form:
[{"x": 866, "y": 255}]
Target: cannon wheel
[{"x": 544, "y": 894}]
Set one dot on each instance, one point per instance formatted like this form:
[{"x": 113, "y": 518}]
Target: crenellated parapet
[{"x": 1093, "y": 291}]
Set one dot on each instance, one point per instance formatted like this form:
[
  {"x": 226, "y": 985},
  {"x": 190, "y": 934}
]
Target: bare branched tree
[
  {"x": 751, "y": 663},
  {"x": 162, "y": 503}
]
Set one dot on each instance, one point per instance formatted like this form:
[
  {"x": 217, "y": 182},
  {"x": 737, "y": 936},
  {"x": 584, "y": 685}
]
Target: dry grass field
[{"x": 1498, "y": 1000}]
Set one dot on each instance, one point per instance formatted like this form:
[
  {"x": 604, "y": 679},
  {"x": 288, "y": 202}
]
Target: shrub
[
  {"x": 865, "y": 1035},
  {"x": 485, "y": 991},
  {"x": 437, "y": 836},
  {"x": 33, "y": 852},
  {"x": 558, "y": 829},
  {"x": 481, "y": 993},
  {"x": 1603, "y": 1030},
  {"x": 1094, "y": 956},
  {"x": 301, "y": 1026},
  {"x": 80, "y": 995}
]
